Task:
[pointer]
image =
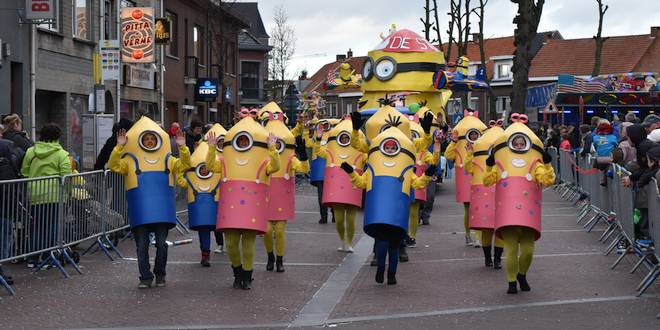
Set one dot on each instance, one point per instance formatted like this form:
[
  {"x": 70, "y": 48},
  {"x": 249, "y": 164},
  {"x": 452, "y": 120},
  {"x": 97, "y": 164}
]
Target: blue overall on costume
[
  {"x": 153, "y": 200},
  {"x": 386, "y": 207},
  {"x": 317, "y": 170},
  {"x": 203, "y": 211}
]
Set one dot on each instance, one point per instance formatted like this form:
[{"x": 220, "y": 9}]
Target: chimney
[
  {"x": 341, "y": 57},
  {"x": 349, "y": 54},
  {"x": 655, "y": 31}
]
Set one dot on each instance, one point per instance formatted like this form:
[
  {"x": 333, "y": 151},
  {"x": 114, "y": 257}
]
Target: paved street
[{"x": 443, "y": 286}]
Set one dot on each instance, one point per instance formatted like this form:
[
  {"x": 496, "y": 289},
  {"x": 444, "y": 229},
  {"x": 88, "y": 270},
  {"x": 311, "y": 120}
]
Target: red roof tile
[
  {"x": 576, "y": 56},
  {"x": 319, "y": 78},
  {"x": 492, "y": 47}
]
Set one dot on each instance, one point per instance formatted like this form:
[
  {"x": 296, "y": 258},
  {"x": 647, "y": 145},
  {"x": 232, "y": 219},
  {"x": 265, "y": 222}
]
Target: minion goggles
[
  {"x": 381, "y": 148},
  {"x": 386, "y": 67}
]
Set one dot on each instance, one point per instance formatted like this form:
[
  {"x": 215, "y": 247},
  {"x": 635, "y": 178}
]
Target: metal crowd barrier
[{"x": 612, "y": 204}]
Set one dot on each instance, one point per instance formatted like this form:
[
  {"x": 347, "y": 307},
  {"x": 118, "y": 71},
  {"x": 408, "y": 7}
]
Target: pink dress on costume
[
  {"x": 282, "y": 196},
  {"x": 482, "y": 204},
  {"x": 463, "y": 180},
  {"x": 337, "y": 188},
  {"x": 518, "y": 203},
  {"x": 420, "y": 194},
  {"x": 243, "y": 204}
]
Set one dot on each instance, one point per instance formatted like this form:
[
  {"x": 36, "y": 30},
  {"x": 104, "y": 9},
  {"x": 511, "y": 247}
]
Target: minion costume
[
  {"x": 317, "y": 170},
  {"x": 423, "y": 160},
  {"x": 482, "y": 198},
  {"x": 339, "y": 193},
  {"x": 202, "y": 190},
  {"x": 457, "y": 152},
  {"x": 247, "y": 164},
  {"x": 149, "y": 177},
  {"x": 520, "y": 167},
  {"x": 220, "y": 133},
  {"x": 282, "y": 192},
  {"x": 389, "y": 180}
]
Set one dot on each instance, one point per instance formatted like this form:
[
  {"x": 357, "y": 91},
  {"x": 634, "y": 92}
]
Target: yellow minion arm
[
  {"x": 181, "y": 164},
  {"x": 359, "y": 181},
  {"x": 492, "y": 174},
  {"x": 419, "y": 182},
  {"x": 274, "y": 163},
  {"x": 116, "y": 163},
  {"x": 436, "y": 152},
  {"x": 423, "y": 143},
  {"x": 211, "y": 163},
  {"x": 450, "y": 152},
  {"x": 299, "y": 166},
  {"x": 297, "y": 130},
  {"x": 544, "y": 174},
  {"x": 181, "y": 181},
  {"x": 320, "y": 151},
  {"x": 358, "y": 143},
  {"x": 468, "y": 165}
]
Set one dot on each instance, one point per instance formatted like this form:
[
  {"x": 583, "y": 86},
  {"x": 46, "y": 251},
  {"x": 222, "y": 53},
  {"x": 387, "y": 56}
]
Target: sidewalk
[{"x": 445, "y": 284}]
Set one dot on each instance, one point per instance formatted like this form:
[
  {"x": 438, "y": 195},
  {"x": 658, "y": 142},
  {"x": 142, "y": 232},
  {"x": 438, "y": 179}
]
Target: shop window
[{"x": 80, "y": 19}]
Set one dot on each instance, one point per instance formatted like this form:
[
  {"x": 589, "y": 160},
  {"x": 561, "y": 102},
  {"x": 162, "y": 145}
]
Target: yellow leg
[
  {"x": 477, "y": 235},
  {"x": 466, "y": 218},
  {"x": 499, "y": 242},
  {"x": 511, "y": 236},
  {"x": 413, "y": 220},
  {"x": 247, "y": 243},
  {"x": 268, "y": 237},
  {"x": 487, "y": 237},
  {"x": 280, "y": 237},
  {"x": 232, "y": 239},
  {"x": 340, "y": 215},
  {"x": 350, "y": 223},
  {"x": 526, "y": 249}
]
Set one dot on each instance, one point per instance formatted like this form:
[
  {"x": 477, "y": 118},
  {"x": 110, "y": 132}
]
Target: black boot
[
  {"x": 487, "y": 256},
  {"x": 280, "y": 264},
  {"x": 246, "y": 283},
  {"x": 238, "y": 272},
  {"x": 513, "y": 288},
  {"x": 374, "y": 261},
  {"x": 271, "y": 262},
  {"x": 391, "y": 278},
  {"x": 380, "y": 275},
  {"x": 333, "y": 215},
  {"x": 497, "y": 263},
  {"x": 403, "y": 255},
  {"x": 522, "y": 280}
]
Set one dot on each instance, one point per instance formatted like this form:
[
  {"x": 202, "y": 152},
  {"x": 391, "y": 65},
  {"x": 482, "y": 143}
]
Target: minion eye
[
  {"x": 280, "y": 145},
  {"x": 519, "y": 143},
  {"x": 385, "y": 68},
  {"x": 345, "y": 137},
  {"x": 220, "y": 143},
  {"x": 390, "y": 147},
  {"x": 414, "y": 135},
  {"x": 202, "y": 172},
  {"x": 472, "y": 135},
  {"x": 150, "y": 141},
  {"x": 368, "y": 69},
  {"x": 242, "y": 141}
]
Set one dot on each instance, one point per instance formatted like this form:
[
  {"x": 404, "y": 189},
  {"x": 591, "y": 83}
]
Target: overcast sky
[{"x": 326, "y": 28}]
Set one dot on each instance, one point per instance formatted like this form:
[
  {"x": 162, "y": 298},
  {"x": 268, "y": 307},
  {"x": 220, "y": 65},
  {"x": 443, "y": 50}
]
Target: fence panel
[
  {"x": 116, "y": 217},
  {"x": 654, "y": 213},
  {"x": 624, "y": 206},
  {"x": 83, "y": 206}
]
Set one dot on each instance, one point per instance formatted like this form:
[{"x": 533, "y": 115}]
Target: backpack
[{"x": 11, "y": 158}]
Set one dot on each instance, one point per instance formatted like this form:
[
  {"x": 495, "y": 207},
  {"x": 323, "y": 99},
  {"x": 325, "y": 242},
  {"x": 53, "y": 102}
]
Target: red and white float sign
[
  {"x": 406, "y": 41},
  {"x": 137, "y": 35}
]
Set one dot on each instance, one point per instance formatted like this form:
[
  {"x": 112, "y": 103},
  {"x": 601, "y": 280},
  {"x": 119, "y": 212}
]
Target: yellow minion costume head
[
  {"x": 246, "y": 151},
  {"x": 403, "y": 62},
  {"x": 285, "y": 144},
  {"x": 518, "y": 149},
  {"x": 339, "y": 145},
  {"x": 149, "y": 146},
  {"x": 200, "y": 178},
  {"x": 220, "y": 132},
  {"x": 468, "y": 130},
  {"x": 269, "y": 109},
  {"x": 385, "y": 118},
  {"x": 481, "y": 151}
]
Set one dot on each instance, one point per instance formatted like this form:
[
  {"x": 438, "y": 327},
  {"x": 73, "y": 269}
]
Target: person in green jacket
[{"x": 45, "y": 158}]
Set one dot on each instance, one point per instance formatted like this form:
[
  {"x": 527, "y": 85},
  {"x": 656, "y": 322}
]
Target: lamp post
[{"x": 291, "y": 103}]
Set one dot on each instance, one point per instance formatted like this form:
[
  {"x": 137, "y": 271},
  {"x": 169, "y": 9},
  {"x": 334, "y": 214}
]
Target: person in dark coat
[
  {"x": 637, "y": 135},
  {"x": 194, "y": 134},
  {"x": 14, "y": 132},
  {"x": 110, "y": 143}
]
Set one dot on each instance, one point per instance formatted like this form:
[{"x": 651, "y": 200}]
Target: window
[
  {"x": 332, "y": 110},
  {"x": 474, "y": 103},
  {"x": 80, "y": 19},
  {"x": 250, "y": 80},
  {"x": 454, "y": 106},
  {"x": 52, "y": 25},
  {"x": 349, "y": 108},
  {"x": 504, "y": 71},
  {"x": 173, "y": 48},
  {"x": 502, "y": 104},
  {"x": 127, "y": 3},
  {"x": 198, "y": 44}
]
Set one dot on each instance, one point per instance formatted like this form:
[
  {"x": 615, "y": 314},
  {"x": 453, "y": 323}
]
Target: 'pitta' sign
[{"x": 137, "y": 35}]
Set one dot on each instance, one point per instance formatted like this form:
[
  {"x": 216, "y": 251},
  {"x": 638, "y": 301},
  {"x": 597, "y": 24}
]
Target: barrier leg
[
  {"x": 70, "y": 260},
  {"x": 612, "y": 245},
  {"x": 180, "y": 227},
  {"x": 639, "y": 263},
  {"x": 623, "y": 255},
  {"x": 112, "y": 247},
  {"x": 51, "y": 260},
  {"x": 648, "y": 276},
  {"x": 647, "y": 284},
  {"x": 593, "y": 225},
  {"x": 607, "y": 232},
  {"x": 594, "y": 218},
  {"x": 7, "y": 286}
]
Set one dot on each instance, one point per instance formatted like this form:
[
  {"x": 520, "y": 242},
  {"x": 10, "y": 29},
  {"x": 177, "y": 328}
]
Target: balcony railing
[{"x": 192, "y": 68}]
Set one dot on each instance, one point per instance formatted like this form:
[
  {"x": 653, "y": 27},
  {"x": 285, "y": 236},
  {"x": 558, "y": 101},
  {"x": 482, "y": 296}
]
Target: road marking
[
  {"x": 588, "y": 253},
  {"x": 483, "y": 309},
  {"x": 182, "y": 262},
  {"x": 544, "y": 232},
  {"x": 317, "y": 310},
  {"x": 214, "y": 326}
]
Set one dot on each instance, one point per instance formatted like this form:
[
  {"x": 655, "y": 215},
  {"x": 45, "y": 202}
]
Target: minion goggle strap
[
  {"x": 382, "y": 146},
  {"x": 251, "y": 142},
  {"x": 510, "y": 144},
  {"x": 280, "y": 146},
  {"x": 386, "y": 67}
]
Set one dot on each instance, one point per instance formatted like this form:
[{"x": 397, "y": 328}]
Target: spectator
[
  {"x": 174, "y": 128},
  {"x": 427, "y": 208},
  {"x": 565, "y": 142},
  {"x": 605, "y": 142},
  {"x": 45, "y": 158},
  {"x": 110, "y": 143},
  {"x": 637, "y": 135},
  {"x": 594, "y": 122},
  {"x": 14, "y": 132},
  {"x": 653, "y": 165},
  {"x": 651, "y": 122},
  {"x": 630, "y": 118},
  {"x": 574, "y": 137},
  {"x": 10, "y": 164},
  {"x": 194, "y": 134},
  {"x": 625, "y": 152},
  {"x": 654, "y": 136},
  {"x": 587, "y": 139}
]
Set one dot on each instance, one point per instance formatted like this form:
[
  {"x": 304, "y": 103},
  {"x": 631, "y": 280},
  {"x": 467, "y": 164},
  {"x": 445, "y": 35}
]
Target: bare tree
[
  {"x": 436, "y": 27},
  {"x": 426, "y": 21},
  {"x": 284, "y": 46},
  {"x": 598, "y": 38},
  {"x": 492, "y": 106},
  {"x": 527, "y": 23}
]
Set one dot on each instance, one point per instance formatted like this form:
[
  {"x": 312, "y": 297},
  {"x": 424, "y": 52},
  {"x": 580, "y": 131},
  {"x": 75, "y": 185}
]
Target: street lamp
[{"x": 291, "y": 103}]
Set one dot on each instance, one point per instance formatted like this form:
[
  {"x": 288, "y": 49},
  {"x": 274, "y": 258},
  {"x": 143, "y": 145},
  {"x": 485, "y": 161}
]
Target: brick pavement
[{"x": 443, "y": 286}]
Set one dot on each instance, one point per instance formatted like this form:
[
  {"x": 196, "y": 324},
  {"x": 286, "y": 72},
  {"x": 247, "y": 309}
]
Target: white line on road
[
  {"x": 588, "y": 253},
  {"x": 133, "y": 260}
]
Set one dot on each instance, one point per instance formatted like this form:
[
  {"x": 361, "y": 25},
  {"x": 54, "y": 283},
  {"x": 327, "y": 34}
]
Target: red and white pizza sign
[
  {"x": 137, "y": 30},
  {"x": 404, "y": 41}
]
